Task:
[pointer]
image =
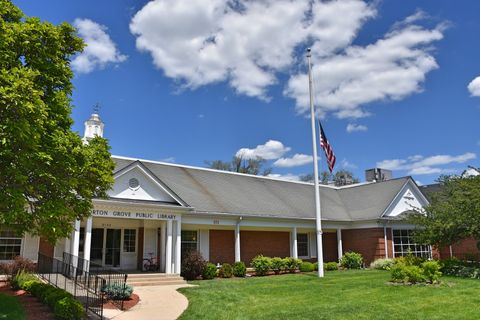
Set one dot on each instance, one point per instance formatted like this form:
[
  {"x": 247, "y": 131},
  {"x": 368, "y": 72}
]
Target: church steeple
[{"x": 94, "y": 125}]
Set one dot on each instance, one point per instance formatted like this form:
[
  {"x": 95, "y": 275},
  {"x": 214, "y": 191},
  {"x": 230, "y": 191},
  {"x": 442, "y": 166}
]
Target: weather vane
[{"x": 96, "y": 108}]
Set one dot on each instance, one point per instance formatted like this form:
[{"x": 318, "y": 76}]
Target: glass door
[
  {"x": 96, "y": 252},
  {"x": 112, "y": 247}
]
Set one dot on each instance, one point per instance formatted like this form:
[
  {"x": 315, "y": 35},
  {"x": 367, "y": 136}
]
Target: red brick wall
[
  {"x": 462, "y": 250},
  {"x": 369, "y": 242},
  {"x": 222, "y": 246},
  {"x": 330, "y": 248},
  {"x": 268, "y": 243}
]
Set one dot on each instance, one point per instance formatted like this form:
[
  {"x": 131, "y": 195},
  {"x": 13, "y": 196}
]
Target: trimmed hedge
[
  {"x": 428, "y": 271},
  {"x": 261, "y": 265},
  {"x": 351, "y": 260},
  {"x": 239, "y": 269},
  {"x": 307, "y": 267},
  {"x": 292, "y": 264},
  {"x": 382, "y": 264},
  {"x": 457, "y": 268},
  {"x": 330, "y": 266},
  {"x": 209, "y": 272},
  {"x": 277, "y": 265},
  {"x": 193, "y": 265},
  {"x": 225, "y": 271}
]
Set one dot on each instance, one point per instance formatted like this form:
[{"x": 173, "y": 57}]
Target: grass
[
  {"x": 10, "y": 308},
  {"x": 352, "y": 295}
]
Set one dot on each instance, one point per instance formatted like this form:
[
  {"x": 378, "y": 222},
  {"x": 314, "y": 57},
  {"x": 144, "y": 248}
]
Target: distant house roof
[
  {"x": 214, "y": 191},
  {"x": 430, "y": 189}
]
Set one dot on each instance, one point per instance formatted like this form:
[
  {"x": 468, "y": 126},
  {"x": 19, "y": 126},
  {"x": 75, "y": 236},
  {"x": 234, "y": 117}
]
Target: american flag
[{"x": 327, "y": 148}]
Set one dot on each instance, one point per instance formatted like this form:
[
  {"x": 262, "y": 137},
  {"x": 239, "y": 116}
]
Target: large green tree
[
  {"x": 453, "y": 213},
  {"x": 47, "y": 175}
]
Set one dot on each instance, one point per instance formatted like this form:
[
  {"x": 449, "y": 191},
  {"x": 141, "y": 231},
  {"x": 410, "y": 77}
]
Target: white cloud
[
  {"x": 297, "y": 160},
  {"x": 169, "y": 159},
  {"x": 348, "y": 165},
  {"x": 100, "y": 50},
  {"x": 245, "y": 43},
  {"x": 389, "y": 69},
  {"x": 419, "y": 165},
  {"x": 288, "y": 176},
  {"x": 272, "y": 149},
  {"x": 352, "y": 127},
  {"x": 474, "y": 87}
]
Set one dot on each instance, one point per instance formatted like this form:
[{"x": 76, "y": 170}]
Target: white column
[
  {"x": 451, "y": 251},
  {"x": 178, "y": 244},
  {"x": 237, "y": 242},
  {"x": 385, "y": 241},
  {"x": 162, "y": 246},
  {"x": 87, "y": 244},
  {"x": 168, "y": 258},
  {"x": 75, "y": 243},
  {"x": 294, "y": 243},
  {"x": 339, "y": 244}
]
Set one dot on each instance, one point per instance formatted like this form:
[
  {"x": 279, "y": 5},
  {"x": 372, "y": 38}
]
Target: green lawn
[
  {"x": 340, "y": 295},
  {"x": 10, "y": 308}
]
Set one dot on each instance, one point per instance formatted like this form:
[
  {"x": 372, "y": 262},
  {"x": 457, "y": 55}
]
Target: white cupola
[{"x": 93, "y": 127}]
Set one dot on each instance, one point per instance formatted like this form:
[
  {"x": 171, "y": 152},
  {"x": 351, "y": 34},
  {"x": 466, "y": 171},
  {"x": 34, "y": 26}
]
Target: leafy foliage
[
  {"x": 48, "y": 175},
  {"x": 17, "y": 281},
  {"x": 239, "y": 269},
  {"x": 351, "y": 260},
  {"x": 458, "y": 268},
  {"x": 307, "y": 267},
  {"x": 329, "y": 266},
  {"x": 193, "y": 265},
  {"x": 427, "y": 271},
  {"x": 382, "y": 264},
  {"x": 292, "y": 264},
  {"x": 278, "y": 265},
  {"x": 453, "y": 213},
  {"x": 209, "y": 272},
  {"x": 261, "y": 265},
  {"x": 225, "y": 271},
  {"x": 240, "y": 164},
  {"x": 19, "y": 264},
  {"x": 118, "y": 291},
  {"x": 431, "y": 271},
  {"x": 69, "y": 309}
]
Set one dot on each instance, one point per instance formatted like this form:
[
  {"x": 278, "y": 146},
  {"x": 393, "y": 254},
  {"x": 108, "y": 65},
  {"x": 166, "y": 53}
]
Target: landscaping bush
[
  {"x": 261, "y": 265},
  {"x": 410, "y": 260},
  {"x": 69, "y": 309},
  {"x": 56, "y": 295},
  {"x": 37, "y": 288},
  {"x": 278, "y": 265},
  {"x": 351, "y": 260},
  {"x": 27, "y": 285},
  {"x": 330, "y": 266},
  {"x": 307, "y": 267},
  {"x": 118, "y": 291},
  {"x": 18, "y": 264},
  {"x": 431, "y": 271},
  {"x": 292, "y": 264},
  {"x": 239, "y": 269},
  {"x": 407, "y": 273},
  {"x": 209, "y": 272},
  {"x": 458, "y": 268},
  {"x": 193, "y": 265},
  {"x": 17, "y": 281},
  {"x": 382, "y": 264},
  {"x": 225, "y": 271}
]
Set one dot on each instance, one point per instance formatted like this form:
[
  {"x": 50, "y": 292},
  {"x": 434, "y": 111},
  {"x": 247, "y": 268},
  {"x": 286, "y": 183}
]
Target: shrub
[
  {"x": 209, "y": 272},
  {"x": 239, "y": 269},
  {"x": 292, "y": 264},
  {"x": 37, "y": 288},
  {"x": 330, "y": 266},
  {"x": 398, "y": 273},
  {"x": 27, "y": 285},
  {"x": 68, "y": 309},
  {"x": 278, "y": 265},
  {"x": 431, "y": 271},
  {"x": 193, "y": 265},
  {"x": 18, "y": 264},
  {"x": 20, "y": 278},
  {"x": 351, "y": 260},
  {"x": 307, "y": 267},
  {"x": 55, "y": 295},
  {"x": 412, "y": 274},
  {"x": 225, "y": 271},
  {"x": 410, "y": 260},
  {"x": 118, "y": 291},
  {"x": 261, "y": 265},
  {"x": 382, "y": 264}
]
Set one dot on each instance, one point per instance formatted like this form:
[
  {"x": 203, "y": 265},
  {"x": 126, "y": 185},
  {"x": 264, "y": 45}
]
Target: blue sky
[{"x": 187, "y": 81}]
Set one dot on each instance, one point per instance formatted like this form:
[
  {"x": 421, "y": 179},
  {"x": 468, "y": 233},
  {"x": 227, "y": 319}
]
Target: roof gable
[{"x": 408, "y": 198}]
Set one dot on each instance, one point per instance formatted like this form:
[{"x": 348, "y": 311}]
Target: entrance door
[
  {"x": 112, "y": 247},
  {"x": 96, "y": 252}
]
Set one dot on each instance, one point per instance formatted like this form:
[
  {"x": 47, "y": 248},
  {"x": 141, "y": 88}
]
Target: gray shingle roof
[{"x": 224, "y": 192}]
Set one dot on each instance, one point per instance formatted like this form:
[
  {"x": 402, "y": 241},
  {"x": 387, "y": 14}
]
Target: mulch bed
[
  {"x": 127, "y": 304},
  {"x": 34, "y": 309}
]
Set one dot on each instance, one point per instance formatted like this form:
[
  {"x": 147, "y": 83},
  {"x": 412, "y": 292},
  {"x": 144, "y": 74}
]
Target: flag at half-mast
[{"x": 327, "y": 148}]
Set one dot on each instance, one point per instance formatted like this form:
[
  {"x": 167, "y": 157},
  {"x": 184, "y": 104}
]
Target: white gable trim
[
  {"x": 138, "y": 165},
  {"x": 409, "y": 185}
]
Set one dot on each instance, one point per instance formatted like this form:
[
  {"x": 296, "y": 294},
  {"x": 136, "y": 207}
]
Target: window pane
[
  {"x": 189, "y": 242},
  {"x": 10, "y": 244},
  {"x": 129, "y": 240},
  {"x": 302, "y": 244},
  {"x": 403, "y": 245}
]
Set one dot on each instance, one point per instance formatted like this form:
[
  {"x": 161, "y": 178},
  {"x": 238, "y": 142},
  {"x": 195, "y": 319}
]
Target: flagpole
[{"x": 318, "y": 209}]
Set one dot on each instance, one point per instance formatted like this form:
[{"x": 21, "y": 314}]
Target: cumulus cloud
[
  {"x": 288, "y": 176},
  {"x": 352, "y": 127},
  {"x": 389, "y": 69},
  {"x": 297, "y": 160},
  {"x": 474, "y": 87},
  {"x": 245, "y": 43},
  {"x": 272, "y": 149},
  {"x": 419, "y": 165},
  {"x": 100, "y": 50},
  {"x": 348, "y": 165}
]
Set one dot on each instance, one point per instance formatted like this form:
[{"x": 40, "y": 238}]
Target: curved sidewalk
[{"x": 156, "y": 302}]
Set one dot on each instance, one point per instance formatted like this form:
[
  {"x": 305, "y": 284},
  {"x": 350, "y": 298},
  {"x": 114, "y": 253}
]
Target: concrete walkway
[{"x": 156, "y": 302}]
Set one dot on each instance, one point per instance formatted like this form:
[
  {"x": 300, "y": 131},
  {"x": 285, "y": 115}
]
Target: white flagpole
[{"x": 318, "y": 209}]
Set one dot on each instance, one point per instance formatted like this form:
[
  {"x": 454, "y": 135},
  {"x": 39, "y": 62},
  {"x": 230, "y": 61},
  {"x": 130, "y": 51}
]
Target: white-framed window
[
  {"x": 302, "y": 244},
  {"x": 129, "y": 240},
  {"x": 189, "y": 241},
  {"x": 403, "y": 245},
  {"x": 10, "y": 244}
]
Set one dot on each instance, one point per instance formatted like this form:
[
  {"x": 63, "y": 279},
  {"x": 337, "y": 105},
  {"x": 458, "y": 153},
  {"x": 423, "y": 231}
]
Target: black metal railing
[
  {"x": 82, "y": 285},
  {"x": 111, "y": 277}
]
